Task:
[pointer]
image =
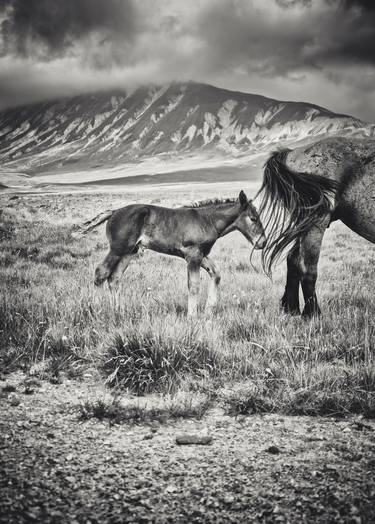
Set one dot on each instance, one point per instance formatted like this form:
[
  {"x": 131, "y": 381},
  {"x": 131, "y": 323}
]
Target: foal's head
[{"x": 248, "y": 223}]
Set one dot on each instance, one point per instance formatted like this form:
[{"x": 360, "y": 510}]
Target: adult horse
[{"x": 303, "y": 191}]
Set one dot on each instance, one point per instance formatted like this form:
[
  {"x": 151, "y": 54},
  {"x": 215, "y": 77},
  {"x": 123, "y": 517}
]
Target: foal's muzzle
[{"x": 260, "y": 243}]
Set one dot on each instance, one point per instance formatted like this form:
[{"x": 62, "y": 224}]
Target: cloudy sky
[{"x": 321, "y": 51}]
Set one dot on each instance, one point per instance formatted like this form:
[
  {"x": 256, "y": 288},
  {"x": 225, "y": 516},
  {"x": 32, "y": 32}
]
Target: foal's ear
[{"x": 243, "y": 199}]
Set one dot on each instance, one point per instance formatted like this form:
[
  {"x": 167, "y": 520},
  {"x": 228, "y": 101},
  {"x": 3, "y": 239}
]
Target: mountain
[{"x": 111, "y": 128}]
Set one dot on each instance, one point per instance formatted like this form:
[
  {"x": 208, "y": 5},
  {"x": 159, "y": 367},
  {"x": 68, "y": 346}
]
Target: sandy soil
[{"x": 56, "y": 468}]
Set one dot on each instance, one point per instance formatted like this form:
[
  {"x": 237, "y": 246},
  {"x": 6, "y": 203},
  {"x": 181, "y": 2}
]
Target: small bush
[
  {"x": 143, "y": 362},
  {"x": 242, "y": 267},
  {"x": 100, "y": 409},
  {"x": 248, "y": 400},
  {"x": 7, "y": 229},
  {"x": 189, "y": 406}
]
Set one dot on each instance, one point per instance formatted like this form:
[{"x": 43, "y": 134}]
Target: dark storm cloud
[
  {"x": 49, "y": 28},
  {"x": 352, "y": 36},
  {"x": 299, "y": 36},
  {"x": 314, "y": 50}
]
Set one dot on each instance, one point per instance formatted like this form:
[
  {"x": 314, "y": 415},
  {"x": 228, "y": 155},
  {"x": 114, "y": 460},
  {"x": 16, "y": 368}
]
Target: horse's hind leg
[
  {"x": 290, "y": 299},
  {"x": 115, "y": 276},
  {"x": 310, "y": 247},
  {"x": 211, "y": 269},
  {"x": 106, "y": 268}
]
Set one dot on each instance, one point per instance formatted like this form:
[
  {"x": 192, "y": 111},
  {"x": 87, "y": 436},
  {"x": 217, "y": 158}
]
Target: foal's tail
[
  {"x": 93, "y": 223},
  {"x": 293, "y": 203}
]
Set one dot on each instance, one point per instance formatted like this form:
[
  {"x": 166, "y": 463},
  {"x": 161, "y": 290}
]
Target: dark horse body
[
  {"x": 306, "y": 189},
  {"x": 186, "y": 232}
]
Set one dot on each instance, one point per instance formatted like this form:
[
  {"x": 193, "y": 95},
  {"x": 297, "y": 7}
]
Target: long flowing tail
[
  {"x": 93, "y": 223},
  {"x": 292, "y": 203}
]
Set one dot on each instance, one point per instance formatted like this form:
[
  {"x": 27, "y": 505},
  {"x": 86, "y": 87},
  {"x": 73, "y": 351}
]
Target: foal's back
[{"x": 163, "y": 229}]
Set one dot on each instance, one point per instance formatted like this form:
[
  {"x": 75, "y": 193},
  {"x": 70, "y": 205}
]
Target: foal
[{"x": 186, "y": 232}]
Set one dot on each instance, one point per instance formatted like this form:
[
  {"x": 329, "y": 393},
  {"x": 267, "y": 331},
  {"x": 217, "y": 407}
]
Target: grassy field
[{"x": 248, "y": 357}]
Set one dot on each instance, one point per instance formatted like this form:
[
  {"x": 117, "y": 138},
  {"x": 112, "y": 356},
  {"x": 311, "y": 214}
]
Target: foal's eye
[{"x": 253, "y": 219}]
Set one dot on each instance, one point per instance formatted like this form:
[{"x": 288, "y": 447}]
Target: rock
[
  {"x": 8, "y": 388},
  {"x": 346, "y": 430},
  {"x": 274, "y": 450},
  {"x": 148, "y": 436},
  {"x": 14, "y": 399},
  {"x": 193, "y": 439},
  {"x": 170, "y": 489},
  {"x": 32, "y": 382},
  {"x": 70, "y": 479},
  {"x": 28, "y": 391}
]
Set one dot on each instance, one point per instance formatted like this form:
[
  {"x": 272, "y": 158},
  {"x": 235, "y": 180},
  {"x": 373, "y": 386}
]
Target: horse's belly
[
  {"x": 357, "y": 206},
  {"x": 160, "y": 246}
]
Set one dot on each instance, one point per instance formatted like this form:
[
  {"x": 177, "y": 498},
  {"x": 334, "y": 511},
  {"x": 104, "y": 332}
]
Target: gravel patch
[{"x": 56, "y": 468}]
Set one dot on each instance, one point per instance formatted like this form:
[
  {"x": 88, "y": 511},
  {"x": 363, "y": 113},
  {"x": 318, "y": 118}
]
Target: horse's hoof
[
  {"x": 294, "y": 312},
  {"x": 311, "y": 315},
  {"x": 289, "y": 307},
  {"x": 289, "y": 310}
]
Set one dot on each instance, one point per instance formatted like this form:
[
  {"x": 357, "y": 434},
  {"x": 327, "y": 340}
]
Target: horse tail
[
  {"x": 293, "y": 203},
  {"x": 93, "y": 223}
]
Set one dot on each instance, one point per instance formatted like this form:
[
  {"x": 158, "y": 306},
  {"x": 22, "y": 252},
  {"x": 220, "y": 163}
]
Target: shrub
[
  {"x": 144, "y": 362},
  {"x": 248, "y": 400}
]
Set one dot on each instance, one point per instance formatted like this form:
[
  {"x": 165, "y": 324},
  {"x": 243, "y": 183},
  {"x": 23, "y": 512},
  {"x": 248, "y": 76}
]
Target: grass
[
  {"x": 248, "y": 357},
  {"x": 145, "y": 362},
  {"x": 114, "y": 411}
]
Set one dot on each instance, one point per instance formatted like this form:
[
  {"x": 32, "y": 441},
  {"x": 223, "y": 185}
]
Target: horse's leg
[
  {"x": 211, "y": 269},
  {"x": 310, "y": 247},
  {"x": 193, "y": 286},
  {"x": 106, "y": 268},
  {"x": 290, "y": 299},
  {"x": 115, "y": 276}
]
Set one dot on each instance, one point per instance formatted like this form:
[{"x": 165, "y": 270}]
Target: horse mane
[
  {"x": 211, "y": 202},
  {"x": 293, "y": 203}
]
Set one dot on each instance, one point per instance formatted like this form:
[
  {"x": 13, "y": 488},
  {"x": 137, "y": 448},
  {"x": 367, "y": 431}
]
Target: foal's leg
[
  {"x": 290, "y": 299},
  {"x": 193, "y": 286},
  {"x": 211, "y": 269},
  {"x": 106, "y": 268},
  {"x": 114, "y": 278},
  {"x": 310, "y": 247}
]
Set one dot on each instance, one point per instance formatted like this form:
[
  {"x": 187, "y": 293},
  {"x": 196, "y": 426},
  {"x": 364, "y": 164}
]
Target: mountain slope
[{"x": 116, "y": 127}]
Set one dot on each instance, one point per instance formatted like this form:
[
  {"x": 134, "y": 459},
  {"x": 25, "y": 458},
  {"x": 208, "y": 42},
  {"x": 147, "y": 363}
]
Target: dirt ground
[{"x": 55, "y": 467}]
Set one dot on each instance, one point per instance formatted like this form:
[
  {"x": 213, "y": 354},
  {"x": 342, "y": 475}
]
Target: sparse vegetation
[
  {"x": 147, "y": 361},
  {"x": 54, "y": 322},
  {"x": 116, "y": 412}
]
